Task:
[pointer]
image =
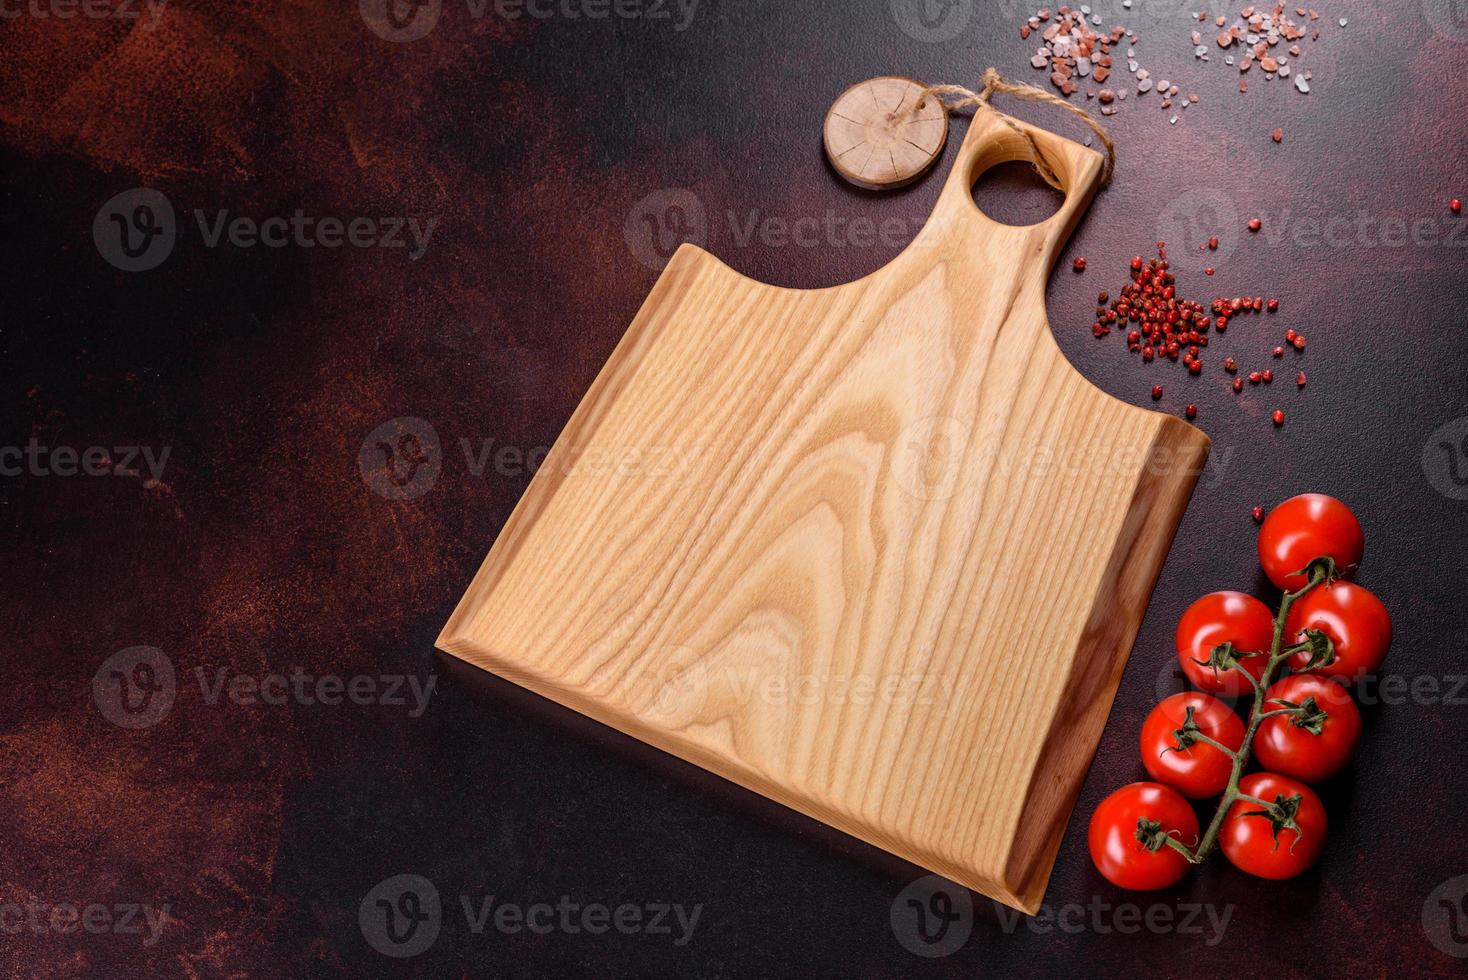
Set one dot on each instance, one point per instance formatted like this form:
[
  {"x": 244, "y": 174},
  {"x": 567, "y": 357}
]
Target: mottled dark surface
[{"x": 535, "y": 143}]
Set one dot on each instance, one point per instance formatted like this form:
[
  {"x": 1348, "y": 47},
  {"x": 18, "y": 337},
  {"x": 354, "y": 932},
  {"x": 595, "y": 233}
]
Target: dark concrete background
[{"x": 535, "y": 143}]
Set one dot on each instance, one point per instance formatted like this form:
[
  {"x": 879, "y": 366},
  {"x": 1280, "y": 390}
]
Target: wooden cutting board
[{"x": 876, "y": 551}]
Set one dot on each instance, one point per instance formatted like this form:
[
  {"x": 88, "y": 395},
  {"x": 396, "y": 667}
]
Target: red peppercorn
[
  {"x": 1272, "y": 306},
  {"x": 1221, "y": 324},
  {"x": 1230, "y": 365},
  {"x": 1208, "y": 270},
  {"x": 1255, "y": 224},
  {"x": 1080, "y": 264},
  {"x": 1191, "y": 411},
  {"x": 1290, "y": 336},
  {"x": 1136, "y": 262},
  {"x": 1300, "y": 379},
  {"x": 1238, "y": 384},
  {"x": 1213, "y": 242},
  {"x": 1278, "y": 417},
  {"x": 1258, "y": 513},
  {"x": 1456, "y": 205},
  {"x": 1196, "y": 367},
  {"x": 1254, "y": 377},
  {"x": 1268, "y": 376},
  {"x": 1277, "y": 135},
  {"x": 1156, "y": 392},
  {"x": 1299, "y": 341},
  {"x": 1279, "y": 352}
]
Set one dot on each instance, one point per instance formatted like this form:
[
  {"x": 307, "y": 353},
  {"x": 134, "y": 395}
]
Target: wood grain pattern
[
  {"x": 876, "y": 551},
  {"x": 882, "y": 132}
]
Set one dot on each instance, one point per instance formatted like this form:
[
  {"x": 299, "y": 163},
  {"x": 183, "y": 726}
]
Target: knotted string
[{"x": 994, "y": 82}]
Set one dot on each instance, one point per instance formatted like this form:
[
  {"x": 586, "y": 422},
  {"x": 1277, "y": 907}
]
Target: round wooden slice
[{"x": 877, "y": 137}]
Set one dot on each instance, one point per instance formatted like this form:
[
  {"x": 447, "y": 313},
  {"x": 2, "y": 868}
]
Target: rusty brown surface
[{"x": 560, "y": 158}]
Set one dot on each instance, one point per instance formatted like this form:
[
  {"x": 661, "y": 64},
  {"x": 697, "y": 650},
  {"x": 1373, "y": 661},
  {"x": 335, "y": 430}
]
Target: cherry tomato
[
  {"x": 1304, "y": 528},
  {"x": 1284, "y": 745},
  {"x": 1250, "y": 841},
  {"x": 1220, "y": 617},
  {"x": 1121, "y": 858},
  {"x": 1355, "y": 620},
  {"x": 1198, "y": 770}
]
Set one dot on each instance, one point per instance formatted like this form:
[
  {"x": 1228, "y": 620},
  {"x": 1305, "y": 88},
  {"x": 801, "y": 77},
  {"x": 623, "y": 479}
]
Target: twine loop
[{"x": 994, "y": 82}]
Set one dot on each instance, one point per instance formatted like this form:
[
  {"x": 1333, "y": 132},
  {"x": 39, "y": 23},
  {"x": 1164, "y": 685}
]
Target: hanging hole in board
[{"x": 1013, "y": 193}]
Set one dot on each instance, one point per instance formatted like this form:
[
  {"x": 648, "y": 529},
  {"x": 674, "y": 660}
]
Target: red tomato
[
  {"x": 1304, "y": 528},
  {"x": 1200, "y": 769},
  {"x": 1117, "y": 853},
  {"x": 1254, "y": 844},
  {"x": 1283, "y": 745},
  {"x": 1221, "y": 617},
  {"x": 1355, "y": 620}
]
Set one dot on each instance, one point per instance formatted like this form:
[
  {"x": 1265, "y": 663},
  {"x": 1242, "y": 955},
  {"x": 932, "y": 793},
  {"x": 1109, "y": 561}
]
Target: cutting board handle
[{"x": 995, "y": 138}]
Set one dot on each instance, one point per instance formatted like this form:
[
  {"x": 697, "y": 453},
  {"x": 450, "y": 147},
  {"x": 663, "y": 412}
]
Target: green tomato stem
[{"x": 1278, "y": 654}]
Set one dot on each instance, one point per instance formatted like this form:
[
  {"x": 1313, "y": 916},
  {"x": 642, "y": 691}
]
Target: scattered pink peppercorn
[
  {"x": 1456, "y": 205},
  {"x": 1255, "y": 224},
  {"x": 1156, "y": 392},
  {"x": 1258, "y": 513},
  {"x": 1279, "y": 352},
  {"x": 1238, "y": 384},
  {"x": 1272, "y": 306},
  {"x": 1278, "y": 417},
  {"x": 1080, "y": 264},
  {"x": 1254, "y": 377},
  {"x": 1268, "y": 376},
  {"x": 1300, "y": 379},
  {"x": 1191, "y": 411}
]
